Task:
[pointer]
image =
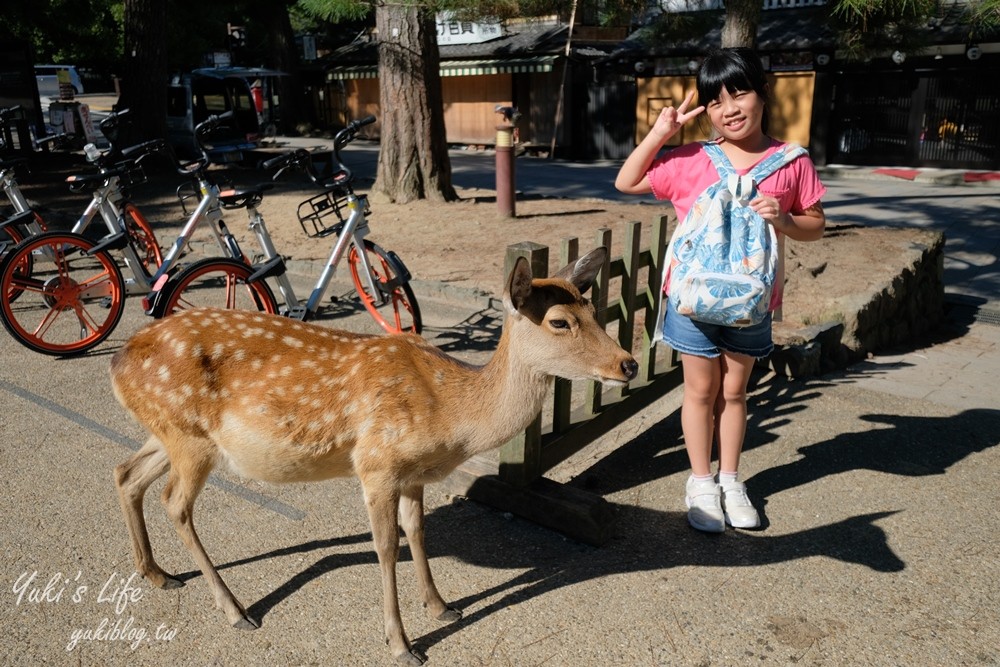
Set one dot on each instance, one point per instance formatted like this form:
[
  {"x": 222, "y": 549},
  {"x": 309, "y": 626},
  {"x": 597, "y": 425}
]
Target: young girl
[{"x": 717, "y": 360}]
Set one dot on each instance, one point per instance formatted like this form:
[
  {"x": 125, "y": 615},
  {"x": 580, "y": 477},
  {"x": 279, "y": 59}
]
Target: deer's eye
[{"x": 559, "y": 324}]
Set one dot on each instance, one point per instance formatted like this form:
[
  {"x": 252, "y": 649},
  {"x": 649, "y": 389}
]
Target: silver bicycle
[{"x": 380, "y": 278}]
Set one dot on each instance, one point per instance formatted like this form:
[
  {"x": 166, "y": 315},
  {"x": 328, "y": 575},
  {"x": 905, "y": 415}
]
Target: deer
[{"x": 278, "y": 400}]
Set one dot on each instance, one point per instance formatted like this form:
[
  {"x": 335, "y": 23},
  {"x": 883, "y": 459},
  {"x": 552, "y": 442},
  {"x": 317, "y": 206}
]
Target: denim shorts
[{"x": 710, "y": 340}]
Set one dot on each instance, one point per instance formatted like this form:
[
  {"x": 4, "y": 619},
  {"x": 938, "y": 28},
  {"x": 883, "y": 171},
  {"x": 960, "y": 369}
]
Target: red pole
[{"x": 505, "y": 170}]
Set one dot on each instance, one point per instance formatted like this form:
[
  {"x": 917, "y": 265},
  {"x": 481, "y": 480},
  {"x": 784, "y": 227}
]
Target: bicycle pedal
[
  {"x": 106, "y": 303},
  {"x": 297, "y": 313}
]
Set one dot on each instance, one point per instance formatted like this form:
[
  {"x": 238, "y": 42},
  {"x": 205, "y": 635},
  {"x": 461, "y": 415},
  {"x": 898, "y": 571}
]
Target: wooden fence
[{"x": 625, "y": 295}]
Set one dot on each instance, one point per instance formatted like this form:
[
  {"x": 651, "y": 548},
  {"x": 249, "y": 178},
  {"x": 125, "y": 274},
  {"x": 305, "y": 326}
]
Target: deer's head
[{"x": 556, "y": 327}]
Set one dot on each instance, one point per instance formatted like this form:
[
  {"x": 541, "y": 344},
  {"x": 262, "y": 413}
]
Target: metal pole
[{"x": 505, "y": 170}]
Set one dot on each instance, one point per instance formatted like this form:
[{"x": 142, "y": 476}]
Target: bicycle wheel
[
  {"x": 218, "y": 282},
  {"x": 68, "y": 302},
  {"x": 10, "y": 237},
  {"x": 143, "y": 238},
  {"x": 394, "y": 307}
]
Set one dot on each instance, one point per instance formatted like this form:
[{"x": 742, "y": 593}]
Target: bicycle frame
[
  {"x": 354, "y": 231},
  {"x": 208, "y": 209},
  {"x": 8, "y": 183},
  {"x": 106, "y": 201}
]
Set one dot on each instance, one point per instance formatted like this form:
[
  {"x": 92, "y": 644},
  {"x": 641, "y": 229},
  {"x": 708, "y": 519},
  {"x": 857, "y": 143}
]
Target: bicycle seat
[{"x": 245, "y": 198}]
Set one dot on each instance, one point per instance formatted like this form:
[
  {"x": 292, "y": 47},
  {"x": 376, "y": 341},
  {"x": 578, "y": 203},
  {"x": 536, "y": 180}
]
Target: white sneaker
[
  {"x": 704, "y": 501},
  {"x": 739, "y": 511}
]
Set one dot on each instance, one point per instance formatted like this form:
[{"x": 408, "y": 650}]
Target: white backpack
[{"x": 722, "y": 260}]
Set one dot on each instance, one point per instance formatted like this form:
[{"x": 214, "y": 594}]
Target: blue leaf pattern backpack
[{"x": 722, "y": 260}]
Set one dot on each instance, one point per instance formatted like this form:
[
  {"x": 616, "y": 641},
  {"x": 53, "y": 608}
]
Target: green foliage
[
  {"x": 869, "y": 27},
  {"x": 336, "y": 11},
  {"x": 984, "y": 17},
  {"x": 679, "y": 27},
  {"x": 82, "y": 32}
]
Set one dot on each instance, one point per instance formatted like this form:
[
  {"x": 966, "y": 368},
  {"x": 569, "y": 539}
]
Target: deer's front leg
[
  {"x": 411, "y": 513},
  {"x": 132, "y": 478},
  {"x": 185, "y": 481},
  {"x": 383, "y": 504}
]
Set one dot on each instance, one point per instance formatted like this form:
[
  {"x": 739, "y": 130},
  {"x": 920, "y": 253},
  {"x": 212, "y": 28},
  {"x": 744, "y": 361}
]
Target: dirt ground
[{"x": 463, "y": 243}]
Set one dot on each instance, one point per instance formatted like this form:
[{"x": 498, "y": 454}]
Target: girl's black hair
[{"x": 734, "y": 69}]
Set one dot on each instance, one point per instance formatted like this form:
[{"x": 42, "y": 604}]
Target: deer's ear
[
  {"x": 518, "y": 285},
  {"x": 583, "y": 271}
]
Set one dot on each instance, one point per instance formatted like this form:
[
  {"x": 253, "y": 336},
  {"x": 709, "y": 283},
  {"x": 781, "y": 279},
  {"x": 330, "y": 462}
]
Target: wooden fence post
[{"x": 521, "y": 456}]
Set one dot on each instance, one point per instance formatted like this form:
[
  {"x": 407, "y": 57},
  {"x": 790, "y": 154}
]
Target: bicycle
[
  {"x": 57, "y": 273},
  {"x": 24, "y": 221},
  {"x": 380, "y": 278}
]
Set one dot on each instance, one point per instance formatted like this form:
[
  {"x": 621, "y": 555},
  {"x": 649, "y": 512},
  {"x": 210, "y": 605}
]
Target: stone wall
[{"x": 886, "y": 315}]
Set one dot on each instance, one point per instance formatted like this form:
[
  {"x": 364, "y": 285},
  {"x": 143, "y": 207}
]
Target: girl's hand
[
  {"x": 670, "y": 119},
  {"x": 769, "y": 209}
]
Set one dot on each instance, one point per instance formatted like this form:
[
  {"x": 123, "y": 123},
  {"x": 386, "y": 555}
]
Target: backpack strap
[
  {"x": 719, "y": 159},
  {"x": 762, "y": 170},
  {"x": 776, "y": 161}
]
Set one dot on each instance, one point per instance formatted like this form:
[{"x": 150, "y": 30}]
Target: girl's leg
[
  {"x": 731, "y": 409},
  {"x": 731, "y": 423},
  {"x": 702, "y": 377}
]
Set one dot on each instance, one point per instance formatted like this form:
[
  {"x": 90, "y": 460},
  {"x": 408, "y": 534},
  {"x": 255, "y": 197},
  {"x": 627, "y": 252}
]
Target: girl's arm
[
  {"x": 806, "y": 226},
  {"x": 632, "y": 175}
]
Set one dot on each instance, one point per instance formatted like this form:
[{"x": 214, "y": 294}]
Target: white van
[
  {"x": 47, "y": 77},
  {"x": 193, "y": 97}
]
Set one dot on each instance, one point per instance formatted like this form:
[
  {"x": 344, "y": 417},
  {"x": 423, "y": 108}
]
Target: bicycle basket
[{"x": 323, "y": 214}]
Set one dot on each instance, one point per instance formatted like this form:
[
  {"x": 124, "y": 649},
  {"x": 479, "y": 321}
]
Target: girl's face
[{"x": 737, "y": 116}]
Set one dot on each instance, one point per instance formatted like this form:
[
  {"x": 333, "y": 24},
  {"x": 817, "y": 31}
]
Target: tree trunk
[
  {"x": 742, "y": 19},
  {"x": 144, "y": 72},
  {"x": 413, "y": 157}
]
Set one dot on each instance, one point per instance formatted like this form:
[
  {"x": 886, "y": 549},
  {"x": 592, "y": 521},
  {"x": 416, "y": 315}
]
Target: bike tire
[
  {"x": 69, "y": 302},
  {"x": 10, "y": 238},
  {"x": 217, "y": 282},
  {"x": 395, "y": 310},
  {"x": 143, "y": 238}
]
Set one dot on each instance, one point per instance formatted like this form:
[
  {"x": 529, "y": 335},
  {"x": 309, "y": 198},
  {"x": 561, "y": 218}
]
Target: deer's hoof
[
  {"x": 450, "y": 615},
  {"x": 170, "y": 583},
  {"x": 246, "y": 623},
  {"x": 411, "y": 658}
]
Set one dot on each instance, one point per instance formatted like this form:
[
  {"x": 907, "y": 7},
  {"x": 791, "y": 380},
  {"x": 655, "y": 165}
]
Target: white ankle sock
[
  {"x": 703, "y": 478},
  {"x": 728, "y": 477}
]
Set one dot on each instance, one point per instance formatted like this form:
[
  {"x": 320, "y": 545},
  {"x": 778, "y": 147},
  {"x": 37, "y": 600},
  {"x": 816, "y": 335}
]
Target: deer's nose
[{"x": 630, "y": 368}]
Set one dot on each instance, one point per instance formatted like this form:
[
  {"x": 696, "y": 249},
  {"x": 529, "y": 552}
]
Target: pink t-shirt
[{"x": 682, "y": 174}]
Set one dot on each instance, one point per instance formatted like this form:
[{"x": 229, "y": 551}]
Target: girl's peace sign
[{"x": 671, "y": 119}]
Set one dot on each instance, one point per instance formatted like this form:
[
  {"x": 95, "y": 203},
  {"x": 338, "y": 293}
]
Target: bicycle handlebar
[{"x": 302, "y": 159}]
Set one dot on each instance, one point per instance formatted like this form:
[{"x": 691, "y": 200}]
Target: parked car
[
  {"x": 193, "y": 97},
  {"x": 47, "y": 77}
]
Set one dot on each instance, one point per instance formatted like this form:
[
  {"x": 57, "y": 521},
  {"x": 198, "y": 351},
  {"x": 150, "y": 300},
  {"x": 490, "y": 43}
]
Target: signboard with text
[{"x": 453, "y": 31}]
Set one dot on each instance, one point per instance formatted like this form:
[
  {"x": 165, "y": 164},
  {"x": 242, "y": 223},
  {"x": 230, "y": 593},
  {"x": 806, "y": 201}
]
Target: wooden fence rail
[{"x": 625, "y": 295}]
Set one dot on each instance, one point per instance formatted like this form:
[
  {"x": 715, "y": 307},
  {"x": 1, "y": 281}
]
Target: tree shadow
[{"x": 910, "y": 446}]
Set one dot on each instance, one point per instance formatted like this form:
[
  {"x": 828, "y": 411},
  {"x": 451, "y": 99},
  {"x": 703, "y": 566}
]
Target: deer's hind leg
[
  {"x": 132, "y": 478},
  {"x": 186, "y": 480},
  {"x": 411, "y": 514},
  {"x": 382, "y": 502}
]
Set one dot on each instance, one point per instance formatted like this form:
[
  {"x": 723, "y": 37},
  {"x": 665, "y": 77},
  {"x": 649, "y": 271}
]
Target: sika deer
[{"x": 281, "y": 401}]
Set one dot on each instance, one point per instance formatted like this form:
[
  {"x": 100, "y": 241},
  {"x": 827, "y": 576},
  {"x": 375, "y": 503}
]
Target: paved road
[{"x": 877, "y": 485}]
